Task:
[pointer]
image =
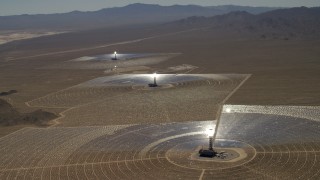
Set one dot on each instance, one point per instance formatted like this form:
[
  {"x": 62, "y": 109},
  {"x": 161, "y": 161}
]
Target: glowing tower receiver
[
  {"x": 155, "y": 78},
  {"x": 210, "y": 152},
  {"x": 115, "y": 56},
  {"x": 210, "y": 133},
  {"x": 154, "y": 75}
]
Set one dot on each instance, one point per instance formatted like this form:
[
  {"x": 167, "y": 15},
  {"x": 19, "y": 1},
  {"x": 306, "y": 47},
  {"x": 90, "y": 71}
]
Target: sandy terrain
[
  {"x": 283, "y": 72},
  {"x": 9, "y": 36},
  {"x": 89, "y": 139},
  {"x": 111, "y": 125},
  {"x": 288, "y": 69}
]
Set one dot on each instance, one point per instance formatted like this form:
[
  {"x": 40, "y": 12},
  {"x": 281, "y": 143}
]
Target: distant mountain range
[
  {"x": 285, "y": 23},
  {"x": 111, "y": 17}
]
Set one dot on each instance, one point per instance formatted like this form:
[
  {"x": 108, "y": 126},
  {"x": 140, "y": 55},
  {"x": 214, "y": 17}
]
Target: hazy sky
[{"x": 12, "y": 7}]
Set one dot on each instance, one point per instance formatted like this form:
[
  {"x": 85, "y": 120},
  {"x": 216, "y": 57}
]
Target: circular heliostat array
[
  {"x": 258, "y": 147},
  {"x": 113, "y": 57},
  {"x": 124, "y": 62},
  {"x": 262, "y": 146},
  {"x": 127, "y": 99}
]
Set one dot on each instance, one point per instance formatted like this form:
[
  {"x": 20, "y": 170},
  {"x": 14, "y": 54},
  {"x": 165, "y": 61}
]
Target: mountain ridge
[
  {"x": 109, "y": 17},
  {"x": 285, "y": 23}
]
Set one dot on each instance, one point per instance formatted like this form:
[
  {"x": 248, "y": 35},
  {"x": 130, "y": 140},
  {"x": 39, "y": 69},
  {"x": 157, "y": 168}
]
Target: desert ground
[
  {"x": 288, "y": 69},
  {"x": 9, "y": 36},
  {"x": 111, "y": 125}
]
